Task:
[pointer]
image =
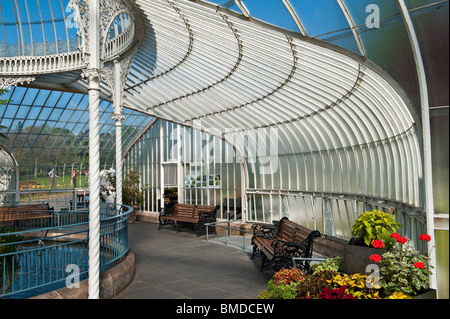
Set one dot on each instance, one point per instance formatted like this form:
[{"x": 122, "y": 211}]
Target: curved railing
[
  {"x": 36, "y": 260},
  {"x": 119, "y": 44},
  {"x": 32, "y": 65}
]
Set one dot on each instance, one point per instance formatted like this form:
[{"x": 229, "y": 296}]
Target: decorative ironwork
[
  {"x": 265, "y": 231},
  {"x": 7, "y": 82},
  {"x": 284, "y": 251},
  {"x": 279, "y": 252}
]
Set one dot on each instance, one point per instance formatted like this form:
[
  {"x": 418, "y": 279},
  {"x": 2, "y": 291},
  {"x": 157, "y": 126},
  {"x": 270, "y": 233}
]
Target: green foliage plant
[
  {"x": 404, "y": 269},
  {"x": 3, "y": 137},
  {"x": 334, "y": 264},
  {"x": 374, "y": 225},
  {"x": 132, "y": 192}
]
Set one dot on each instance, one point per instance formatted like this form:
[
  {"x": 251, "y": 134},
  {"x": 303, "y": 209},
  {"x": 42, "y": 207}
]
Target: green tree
[{"x": 3, "y": 137}]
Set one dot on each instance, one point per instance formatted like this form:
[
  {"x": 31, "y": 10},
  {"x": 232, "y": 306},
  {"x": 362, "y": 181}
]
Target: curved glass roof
[
  {"x": 349, "y": 24},
  {"x": 36, "y": 28}
]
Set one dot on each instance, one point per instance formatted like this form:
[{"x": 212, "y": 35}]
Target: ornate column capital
[{"x": 118, "y": 117}]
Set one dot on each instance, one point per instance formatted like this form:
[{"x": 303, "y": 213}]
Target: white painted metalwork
[
  {"x": 352, "y": 26},
  {"x": 243, "y": 8},
  {"x": 426, "y": 135},
  {"x": 94, "y": 150},
  {"x": 294, "y": 15},
  {"x": 33, "y": 65}
]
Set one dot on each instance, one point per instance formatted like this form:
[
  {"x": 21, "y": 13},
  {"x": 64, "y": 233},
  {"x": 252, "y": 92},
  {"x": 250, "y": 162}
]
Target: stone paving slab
[{"x": 171, "y": 265}]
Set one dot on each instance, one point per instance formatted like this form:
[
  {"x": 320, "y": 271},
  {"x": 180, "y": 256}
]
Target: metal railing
[
  {"x": 32, "y": 65},
  {"x": 38, "y": 260},
  {"x": 333, "y": 213},
  {"x": 226, "y": 224}
]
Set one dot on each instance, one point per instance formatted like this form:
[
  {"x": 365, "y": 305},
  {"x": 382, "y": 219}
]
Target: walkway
[{"x": 171, "y": 265}]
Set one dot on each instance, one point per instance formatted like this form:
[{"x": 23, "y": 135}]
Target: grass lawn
[{"x": 60, "y": 182}]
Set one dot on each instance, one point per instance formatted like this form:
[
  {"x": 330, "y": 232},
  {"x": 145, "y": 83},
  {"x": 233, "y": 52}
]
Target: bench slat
[
  {"x": 25, "y": 212},
  {"x": 188, "y": 213}
]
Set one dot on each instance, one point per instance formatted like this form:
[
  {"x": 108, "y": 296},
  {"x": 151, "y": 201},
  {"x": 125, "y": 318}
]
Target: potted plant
[
  {"x": 404, "y": 269},
  {"x": 132, "y": 192},
  {"x": 370, "y": 235}
]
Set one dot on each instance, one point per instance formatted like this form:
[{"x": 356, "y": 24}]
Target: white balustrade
[
  {"x": 31, "y": 65},
  {"x": 119, "y": 44}
]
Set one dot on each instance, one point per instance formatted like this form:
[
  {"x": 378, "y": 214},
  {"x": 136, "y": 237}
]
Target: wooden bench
[
  {"x": 182, "y": 214},
  {"x": 280, "y": 242},
  {"x": 29, "y": 216}
]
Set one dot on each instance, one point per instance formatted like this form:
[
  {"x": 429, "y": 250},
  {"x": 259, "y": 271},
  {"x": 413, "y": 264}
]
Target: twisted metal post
[
  {"x": 93, "y": 75},
  {"x": 118, "y": 117},
  {"x": 118, "y": 124},
  {"x": 94, "y": 186}
]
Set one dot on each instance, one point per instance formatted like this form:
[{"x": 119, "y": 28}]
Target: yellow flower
[{"x": 399, "y": 295}]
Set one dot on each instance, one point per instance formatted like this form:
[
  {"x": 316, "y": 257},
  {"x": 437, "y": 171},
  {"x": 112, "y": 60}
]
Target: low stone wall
[{"x": 112, "y": 282}]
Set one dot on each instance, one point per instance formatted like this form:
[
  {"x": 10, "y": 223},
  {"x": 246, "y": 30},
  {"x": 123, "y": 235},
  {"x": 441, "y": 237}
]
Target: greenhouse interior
[{"x": 312, "y": 110}]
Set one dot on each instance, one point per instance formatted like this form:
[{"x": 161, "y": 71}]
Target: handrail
[
  {"x": 228, "y": 229},
  {"x": 41, "y": 256},
  {"x": 119, "y": 44}
]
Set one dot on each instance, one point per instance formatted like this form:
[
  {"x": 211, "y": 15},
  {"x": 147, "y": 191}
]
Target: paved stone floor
[{"x": 171, "y": 265}]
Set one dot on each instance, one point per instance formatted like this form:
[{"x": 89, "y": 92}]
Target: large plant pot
[
  {"x": 426, "y": 294},
  {"x": 357, "y": 258},
  {"x": 133, "y": 214}
]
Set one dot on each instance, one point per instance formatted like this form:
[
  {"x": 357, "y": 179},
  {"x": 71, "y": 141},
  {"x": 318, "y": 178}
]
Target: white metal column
[
  {"x": 118, "y": 117},
  {"x": 94, "y": 150},
  {"x": 426, "y": 132}
]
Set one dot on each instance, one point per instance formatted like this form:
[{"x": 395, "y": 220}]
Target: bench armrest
[
  {"x": 295, "y": 249},
  {"x": 207, "y": 217},
  {"x": 166, "y": 211},
  {"x": 265, "y": 231}
]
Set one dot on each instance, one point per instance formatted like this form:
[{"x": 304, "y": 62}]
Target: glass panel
[
  {"x": 387, "y": 46},
  {"x": 227, "y": 4},
  {"x": 271, "y": 11},
  {"x": 320, "y": 17}
]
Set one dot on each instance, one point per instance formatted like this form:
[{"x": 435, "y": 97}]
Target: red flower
[
  {"x": 395, "y": 235},
  {"x": 419, "y": 265},
  {"x": 425, "y": 237},
  {"x": 402, "y": 240},
  {"x": 376, "y": 258},
  {"x": 378, "y": 243}
]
